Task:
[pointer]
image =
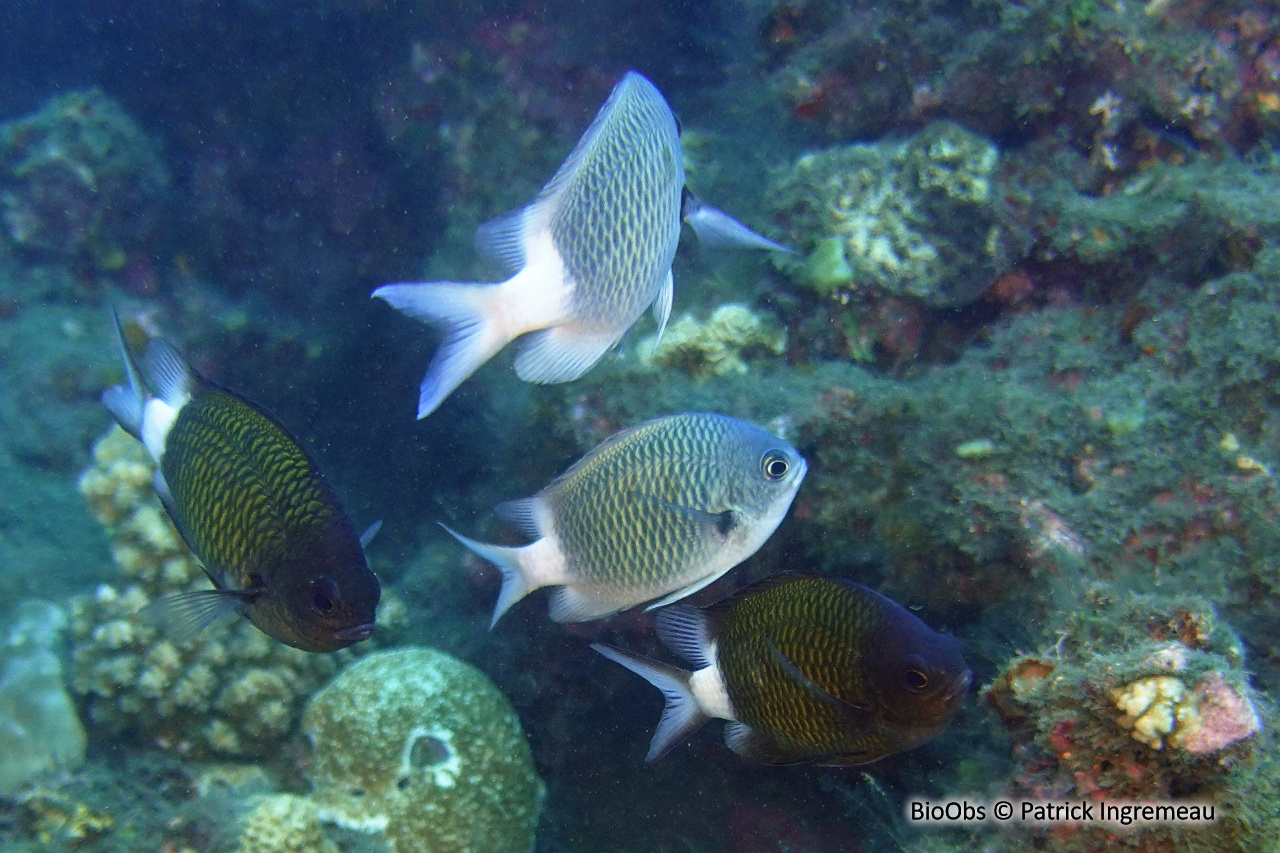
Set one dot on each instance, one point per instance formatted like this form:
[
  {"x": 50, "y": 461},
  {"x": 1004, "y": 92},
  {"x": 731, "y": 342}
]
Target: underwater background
[{"x": 1029, "y": 345}]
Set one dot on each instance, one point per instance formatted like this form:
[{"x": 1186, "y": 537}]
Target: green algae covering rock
[
  {"x": 423, "y": 749},
  {"x": 920, "y": 218}
]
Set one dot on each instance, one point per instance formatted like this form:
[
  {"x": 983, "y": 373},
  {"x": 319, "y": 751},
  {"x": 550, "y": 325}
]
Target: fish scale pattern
[
  {"x": 617, "y": 217},
  {"x": 247, "y": 495},
  {"x": 821, "y": 626},
  {"x": 640, "y": 480}
]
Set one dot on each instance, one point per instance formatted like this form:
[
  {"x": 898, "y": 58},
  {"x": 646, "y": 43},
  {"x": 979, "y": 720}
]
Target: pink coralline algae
[{"x": 1225, "y": 716}]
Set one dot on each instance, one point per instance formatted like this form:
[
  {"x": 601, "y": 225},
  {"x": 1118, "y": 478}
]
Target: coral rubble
[{"x": 423, "y": 749}]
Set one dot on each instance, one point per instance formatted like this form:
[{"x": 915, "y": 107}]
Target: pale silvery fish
[
  {"x": 659, "y": 510},
  {"x": 588, "y": 255}
]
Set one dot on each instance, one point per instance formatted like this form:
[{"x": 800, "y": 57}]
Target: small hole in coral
[
  {"x": 357, "y": 792},
  {"x": 428, "y": 750},
  {"x": 403, "y": 783}
]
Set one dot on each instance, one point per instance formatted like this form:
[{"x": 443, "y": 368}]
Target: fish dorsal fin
[
  {"x": 772, "y": 581},
  {"x": 167, "y": 373},
  {"x": 857, "y": 716},
  {"x": 687, "y": 632},
  {"x": 502, "y": 240},
  {"x": 681, "y": 716},
  {"x": 662, "y": 307},
  {"x": 523, "y": 513}
]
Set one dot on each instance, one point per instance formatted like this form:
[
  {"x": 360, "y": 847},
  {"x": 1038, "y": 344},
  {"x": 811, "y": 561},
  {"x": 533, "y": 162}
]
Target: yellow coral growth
[
  {"x": 716, "y": 347},
  {"x": 1159, "y": 709},
  {"x": 284, "y": 823}
]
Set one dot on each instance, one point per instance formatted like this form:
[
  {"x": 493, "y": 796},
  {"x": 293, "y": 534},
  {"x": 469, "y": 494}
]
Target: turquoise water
[{"x": 1028, "y": 344}]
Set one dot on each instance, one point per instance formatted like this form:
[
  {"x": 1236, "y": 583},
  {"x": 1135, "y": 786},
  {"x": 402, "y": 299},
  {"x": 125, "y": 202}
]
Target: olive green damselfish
[
  {"x": 657, "y": 510},
  {"x": 252, "y": 506},
  {"x": 807, "y": 668}
]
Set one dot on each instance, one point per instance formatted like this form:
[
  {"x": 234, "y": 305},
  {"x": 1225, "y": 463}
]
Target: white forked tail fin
[
  {"x": 515, "y": 580},
  {"x": 470, "y": 316},
  {"x": 681, "y": 716}
]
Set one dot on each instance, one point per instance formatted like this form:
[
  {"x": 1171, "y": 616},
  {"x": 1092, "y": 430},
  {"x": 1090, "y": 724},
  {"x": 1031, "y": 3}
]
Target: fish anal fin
[
  {"x": 851, "y": 759},
  {"x": 559, "y": 354},
  {"x": 573, "y": 604},
  {"x": 754, "y": 746}
]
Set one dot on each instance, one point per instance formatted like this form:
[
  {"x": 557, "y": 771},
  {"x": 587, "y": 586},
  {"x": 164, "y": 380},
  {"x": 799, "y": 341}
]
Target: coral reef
[
  {"x": 1142, "y": 697},
  {"x": 80, "y": 179},
  {"x": 423, "y": 749},
  {"x": 1191, "y": 218},
  {"x": 721, "y": 345},
  {"x": 40, "y": 732},
  {"x": 917, "y": 219},
  {"x": 230, "y": 692},
  {"x": 283, "y": 823},
  {"x": 1029, "y": 69}
]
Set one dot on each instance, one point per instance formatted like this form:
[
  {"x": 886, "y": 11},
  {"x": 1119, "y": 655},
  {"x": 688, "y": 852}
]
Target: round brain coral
[{"x": 423, "y": 749}]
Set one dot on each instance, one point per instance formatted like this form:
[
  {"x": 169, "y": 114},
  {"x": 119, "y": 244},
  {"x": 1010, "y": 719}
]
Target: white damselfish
[{"x": 587, "y": 256}]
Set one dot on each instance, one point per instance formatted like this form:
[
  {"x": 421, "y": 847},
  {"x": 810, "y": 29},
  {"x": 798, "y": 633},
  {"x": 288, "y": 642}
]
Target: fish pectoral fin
[
  {"x": 370, "y": 532},
  {"x": 719, "y": 229},
  {"x": 662, "y": 307},
  {"x": 857, "y": 716},
  {"x": 719, "y": 523},
  {"x": 183, "y": 615}
]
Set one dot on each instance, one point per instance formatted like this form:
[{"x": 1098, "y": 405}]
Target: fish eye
[
  {"x": 775, "y": 465},
  {"x": 915, "y": 680},
  {"x": 324, "y": 597}
]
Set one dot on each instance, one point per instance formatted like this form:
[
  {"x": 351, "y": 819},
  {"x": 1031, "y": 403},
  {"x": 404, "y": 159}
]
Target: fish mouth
[{"x": 355, "y": 634}]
